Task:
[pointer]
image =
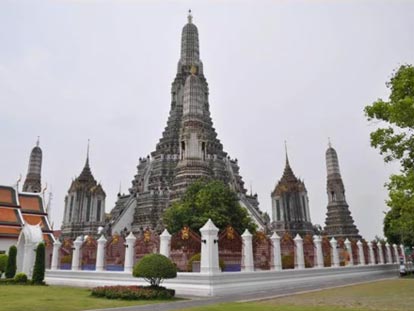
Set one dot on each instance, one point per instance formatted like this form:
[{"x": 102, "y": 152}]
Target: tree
[
  {"x": 395, "y": 141},
  {"x": 11, "y": 262},
  {"x": 154, "y": 268},
  {"x": 39, "y": 266},
  {"x": 208, "y": 199}
]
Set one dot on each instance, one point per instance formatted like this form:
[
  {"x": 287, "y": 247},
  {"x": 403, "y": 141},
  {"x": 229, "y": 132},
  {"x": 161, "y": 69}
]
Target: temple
[
  {"x": 33, "y": 178},
  {"x": 290, "y": 205},
  {"x": 84, "y": 205},
  {"x": 339, "y": 222},
  {"x": 188, "y": 150}
]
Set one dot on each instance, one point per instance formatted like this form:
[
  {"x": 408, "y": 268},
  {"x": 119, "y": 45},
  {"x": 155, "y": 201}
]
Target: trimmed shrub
[
  {"x": 288, "y": 262},
  {"x": 154, "y": 268},
  {"x": 11, "y": 262},
  {"x": 133, "y": 292},
  {"x": 39, "y": 266},
  {"x": 20, "y": 278},
  {"x": 3, "y": 263}
]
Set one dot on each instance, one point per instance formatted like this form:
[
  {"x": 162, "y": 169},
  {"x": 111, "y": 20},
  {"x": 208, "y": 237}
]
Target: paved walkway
[{"x": 313, "y": 285}]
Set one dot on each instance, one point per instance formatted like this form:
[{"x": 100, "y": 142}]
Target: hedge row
[{"x": 133, "y": 292}]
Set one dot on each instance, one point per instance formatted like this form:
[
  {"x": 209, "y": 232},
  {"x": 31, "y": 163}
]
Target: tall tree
[
  {"x": 395, "y": 141},
  {"x": 39, "y": 266},
  {"x": 204, "y": 200}
]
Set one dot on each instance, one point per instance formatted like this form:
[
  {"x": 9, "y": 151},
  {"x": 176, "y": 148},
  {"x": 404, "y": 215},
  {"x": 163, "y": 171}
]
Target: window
[
  {"x": 182, "y": 149},
  {"x": 203, "y": 149},
  {"x": 277, "y": 210},
  {"x": 98, "y": 211},
  {"x": 88, "y": 209},
  {"x": 70, "y": 208},
  {"x": 304, "y": 208}
]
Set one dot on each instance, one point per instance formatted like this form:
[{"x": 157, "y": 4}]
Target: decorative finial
[
  {"x": 190, "y": 17},
  {"x": 329, "y": 142},
  {"x": 286, "y": 153},
  {"x": 38, "y": 141},
  {"x": 120, "y": 186}
]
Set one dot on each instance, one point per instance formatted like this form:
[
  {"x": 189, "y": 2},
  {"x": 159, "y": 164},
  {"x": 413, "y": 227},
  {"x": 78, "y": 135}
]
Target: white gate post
[
  {"x": 319, "y": 254},
  {"x": 371, "y": 254},
  {"x": 403, "y": 253},
  {"x": 335, "y": 256},
  {"x": 165, "y": 239},
  {"x": 389, "y": 256},
  {"x": 381, "y": 254},
  {"x": 348, "y": 247},
  {"x": 55, "y": 255},
  {"x": 396, "y": 256},
  {"x": 361, "y": 253},
  {"x": 129, "y": 252},
  {"x": 76, "y": 253},
  {"x": 277, "y": 256},
  {"x": 248, "y": 262},
  {"x": 100, "y": 254},
  {"x": 300, "y": 258},
  {"x": 209, "y": 248}
]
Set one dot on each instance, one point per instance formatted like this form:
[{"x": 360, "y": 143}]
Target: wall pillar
[
  {"x": 277, "y": 255},
  {"x": 371, "y": 254},
  {"x": 389, "y": 256},
  {"x": 129, "y": 252},
  {"x": 248, "y": 262},
  {"x": 348, "y": 247},
  {"x": 209, "y": 248},
  {"x": 165, "y": 239},
  {"x": 361, "y": 255},
  {"x": 319, "y": 254},
  {"x": 381, "y": 254},
  {"x": 55, "y": 255},
  {"x": 335, "y": 255},
  {"x": 397, "y": 257},
  {"x": 100, "y": 254},
  {"x": 76, "y": 253},
  {"x": 403, "y": 253},
  {"x": 300, "y": 258}
]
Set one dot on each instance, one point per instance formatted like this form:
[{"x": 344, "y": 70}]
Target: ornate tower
[
  {"x": 33, "y": 177},
  {"x": 339, "y": 222},
  {"x": 84, "y": 205},
  {"x": 188, "y": 149},
  {"x": 290, "y": 205}
]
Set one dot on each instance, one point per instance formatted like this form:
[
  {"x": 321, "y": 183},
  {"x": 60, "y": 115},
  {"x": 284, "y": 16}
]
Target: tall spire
[
  {"x": 86, "y": 173},
  {"x": 33, "y": 177},
  {"x": 87, "y": 154},
  {"x": 286, "y": 154},
  {"x": 332, "y": 163},
  {"x": 190, "y": 50}
]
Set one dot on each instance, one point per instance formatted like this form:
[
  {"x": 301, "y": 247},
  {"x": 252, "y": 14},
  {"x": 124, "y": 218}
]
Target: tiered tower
[
  {"x": 339, "y": 222},
  {"x": 188, "y": 150},
  {"x": 84, "y": 205},
  {"x": 290, "y": 205},
  {"x": 33, "y": 177}
]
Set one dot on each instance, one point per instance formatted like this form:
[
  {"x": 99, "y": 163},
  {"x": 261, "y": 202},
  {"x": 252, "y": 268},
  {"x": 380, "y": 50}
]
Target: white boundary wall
[{"x": 222, "y": 283}]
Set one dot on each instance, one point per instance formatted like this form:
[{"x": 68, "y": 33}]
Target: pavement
[{"x": 258, "y": 295}]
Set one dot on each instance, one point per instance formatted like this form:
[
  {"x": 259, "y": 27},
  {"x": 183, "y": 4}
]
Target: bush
[
  {"x": 197, "y": 257},
  {"x": 39, "y": 266},
  {"x": 288, "y": 262},
  {"x": 154, "y": 268},
  {"x": 11, "y": 262},
  {"x": 3, "y": 263},
  {"x": 133, "y": 292},
  {"x": 20, "y": 278}
]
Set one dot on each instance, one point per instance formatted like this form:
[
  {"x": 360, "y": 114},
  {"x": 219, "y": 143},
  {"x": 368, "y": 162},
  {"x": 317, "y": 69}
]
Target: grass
[
  {"x": 395, "y": 295},
  {"x": 52, "y": 298}
]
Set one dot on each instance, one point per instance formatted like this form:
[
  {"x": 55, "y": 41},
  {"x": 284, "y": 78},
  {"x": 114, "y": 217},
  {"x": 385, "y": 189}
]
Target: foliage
[
  {"x": 208, "y": 199},
  {"x": 396, "y": 142},
  {"x": 3, "y": 263},
  {"x": 39, "y": 266},
  {"x": 11, "y": 262},
  {"x": 154, "y": 268},
  {"x": 20, "y": 278},
  {"x": 197, "y": 257},
  {"x": 133, "y": 292},
  {"x": 288, "y": 262}
]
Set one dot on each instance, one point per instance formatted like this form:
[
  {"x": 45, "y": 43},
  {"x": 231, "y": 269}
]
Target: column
[
  {"x": 300, "y": 260},
  {"x": 248, "y": 263},
  {"x": 100, "y": 254},
  {"x": 76, "y": 253},
  {"x": 55, "y": 255},
  {"x": 335, "y": 256},
  {"x": 389, "y": 256},
  {"x": 397, "y": 257},
  {"x": 277, "y": 256},
  {"x": 371, "y": 254},
  {"x": 129, "y": 252},
  {"x": 348, "y": 247},
  {"x": 403, "y": 253},
  {"x": 209, "y": 248},
  {"x": 381, "y": 254},
  {"x": 361, "y": 253},
  {"x": 165, "y": 239},
  {"x": 319, "y": 254}
]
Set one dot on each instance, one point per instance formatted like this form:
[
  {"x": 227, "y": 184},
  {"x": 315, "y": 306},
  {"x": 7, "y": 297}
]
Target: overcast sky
[{"x": 300, "y": 71}]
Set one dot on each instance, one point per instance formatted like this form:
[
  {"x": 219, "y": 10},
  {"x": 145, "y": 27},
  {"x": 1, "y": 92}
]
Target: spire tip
[
  {"x": 190, "y": 17},
  {"x": 38, "y": 141}
]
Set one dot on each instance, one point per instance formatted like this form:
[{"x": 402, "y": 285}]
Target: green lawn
[
  {"x": 395, "y": 295},
  {"x": 53, "y": 298}
]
